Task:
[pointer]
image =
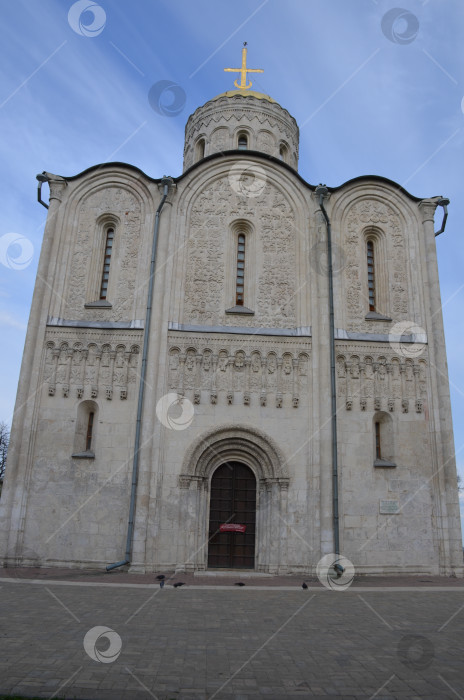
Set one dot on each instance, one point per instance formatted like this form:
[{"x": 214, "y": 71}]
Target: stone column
[
  {"x": 264, "y": 525},
  {"x": 444, "y": 467},
  {"x": 16, "y": 486},
  {"x": 283, "y": 520},
  {"x": 184, "y": 486}
]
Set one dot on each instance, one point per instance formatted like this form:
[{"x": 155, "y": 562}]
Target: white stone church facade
[{"x": 241, "y": 332}]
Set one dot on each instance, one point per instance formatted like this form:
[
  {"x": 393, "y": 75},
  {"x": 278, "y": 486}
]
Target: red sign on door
[{"x": 232, "y": 527}]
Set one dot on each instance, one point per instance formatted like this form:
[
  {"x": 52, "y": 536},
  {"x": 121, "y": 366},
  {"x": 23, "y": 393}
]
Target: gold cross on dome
[{"x": 243, "y": 70}]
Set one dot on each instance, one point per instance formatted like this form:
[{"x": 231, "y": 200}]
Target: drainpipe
[
  {"x": 166, "y": 182},
  {"x": 323, "y": 191},
  {"x": 443, "y": 202}
]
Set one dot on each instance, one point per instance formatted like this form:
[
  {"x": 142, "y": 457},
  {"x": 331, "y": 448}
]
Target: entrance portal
[{"x": 233, "y": 502}]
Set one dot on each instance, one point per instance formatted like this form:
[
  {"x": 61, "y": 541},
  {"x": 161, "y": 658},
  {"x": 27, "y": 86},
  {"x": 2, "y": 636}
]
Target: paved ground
[{"x": 210, "y": 639}]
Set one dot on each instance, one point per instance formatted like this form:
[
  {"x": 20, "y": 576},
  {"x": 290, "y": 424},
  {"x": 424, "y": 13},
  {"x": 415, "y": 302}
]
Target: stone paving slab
[
  {"x": 220, "y": 578},
  {"x": 229, "y": 644}
]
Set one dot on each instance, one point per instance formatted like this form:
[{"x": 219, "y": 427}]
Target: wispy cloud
[{"x": 7, "y": 319}]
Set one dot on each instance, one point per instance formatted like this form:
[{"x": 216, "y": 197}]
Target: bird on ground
[
  {"x": 178, "y": 584},
  {"x": 240, "y": 583},
  {"x": 304, "y": 585}
]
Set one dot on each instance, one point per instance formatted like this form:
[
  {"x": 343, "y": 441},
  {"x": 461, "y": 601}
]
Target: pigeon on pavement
[
  {"x": 304, "y": 585},
  {"x": 178, "y": 584}
]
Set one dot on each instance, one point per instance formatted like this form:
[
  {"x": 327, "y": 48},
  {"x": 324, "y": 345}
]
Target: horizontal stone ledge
[
  {"x": 342, "y": 334},
  {"x": 301, "y": 332},
  {"x": 55, "y": 321}
]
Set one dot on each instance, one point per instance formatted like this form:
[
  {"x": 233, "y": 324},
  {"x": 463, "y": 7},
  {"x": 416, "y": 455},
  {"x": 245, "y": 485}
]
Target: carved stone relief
[
  {"x": 381, "y": 216},
  {"x": 87, "y": 369},
  {"x": 119, "y": 202},
  {"x": 234, "y": 371},
  {"x": 367, "y": 380},
  {"x": 271, "y": 214}
]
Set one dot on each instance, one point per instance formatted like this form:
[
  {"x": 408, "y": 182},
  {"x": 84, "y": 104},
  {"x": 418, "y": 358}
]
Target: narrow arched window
[
  {"x": 240, "y": 281},
  {"x": 283, "y": 151},
  {"x": 200, "y": 149},
  {"x": 371, "y": 274},
  {"x": 242, "y": 142},
  {"x": 86, "y": 427},
  {"x": 88, "y": 438},
  {"x": 106, "y": 262},
  {"x": 378, "y": 449},
  {"x": 383, "y": 438}
]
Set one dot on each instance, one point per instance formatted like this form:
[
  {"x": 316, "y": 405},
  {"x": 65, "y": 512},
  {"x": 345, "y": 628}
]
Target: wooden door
[{"x": 233, "y": 500}]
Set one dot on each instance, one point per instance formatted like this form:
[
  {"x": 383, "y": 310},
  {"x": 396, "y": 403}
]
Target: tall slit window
[
  {"x": 242, "y": 142},
  {"x": 200, "y": 149},
  {"x": 378, "y": 451},
  {"x": 240, "y": 288},
  {"x": 88, "y": 437},
  {"x": 371, "y": 275},
  {"x": 106, "y": 262}
]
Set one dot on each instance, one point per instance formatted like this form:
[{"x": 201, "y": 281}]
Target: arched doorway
[{"x": 232, "y": 504}]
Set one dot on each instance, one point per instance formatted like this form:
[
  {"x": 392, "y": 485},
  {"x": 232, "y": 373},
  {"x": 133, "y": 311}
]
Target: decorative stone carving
[
  {"x": 405, "y": 405},
  {"x": 267, "y": 123},
  {"x": 123, "y": 206},
  {"x": 88, "y": 364},
  {"x": 385, "y": 219},
  {"x": 242, "y": 375},
  {"x": 273, "y": 218},
  {"x": 378, "y": 377},
  {"x": 419, "y": 405}
]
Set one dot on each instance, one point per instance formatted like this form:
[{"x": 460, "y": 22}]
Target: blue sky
[{"x": 368, "y": 101}]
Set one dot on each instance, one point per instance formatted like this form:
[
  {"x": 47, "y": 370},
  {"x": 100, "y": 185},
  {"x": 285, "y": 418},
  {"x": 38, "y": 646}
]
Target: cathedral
[{"x": 234, "y": 368}]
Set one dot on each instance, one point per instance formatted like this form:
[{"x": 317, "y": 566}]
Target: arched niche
[{"x": 257, "y": 451}]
